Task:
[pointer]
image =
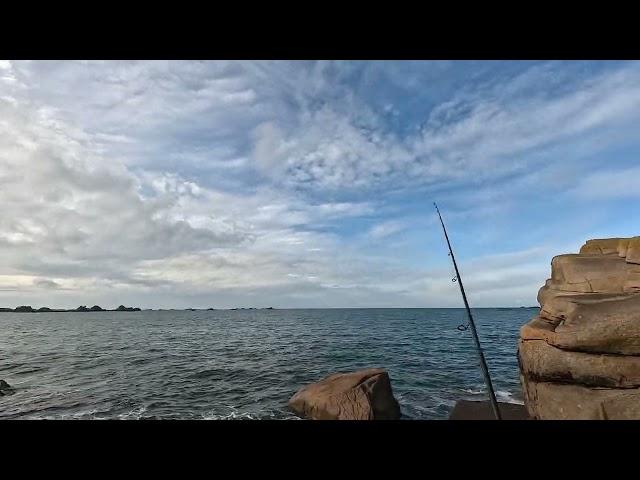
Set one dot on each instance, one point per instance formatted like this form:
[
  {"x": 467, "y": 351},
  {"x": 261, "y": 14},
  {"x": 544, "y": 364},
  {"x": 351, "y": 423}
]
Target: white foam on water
[
  {"x": 507, "y": 397},
  {"x": 229, "y": 416},
  {"x": 501, "y": 395},
  {"x": 134, "y": 414},
  {"x": 472, "y": 392},
  {"x": 236, "y": 415}
]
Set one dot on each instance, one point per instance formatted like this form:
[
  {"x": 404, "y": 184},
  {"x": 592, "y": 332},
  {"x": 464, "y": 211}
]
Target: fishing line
[{"x": 483, "y": 364}]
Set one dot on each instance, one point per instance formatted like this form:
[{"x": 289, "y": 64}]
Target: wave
[
  {"x": 235, "y": 414},
  {"x": 504, "y": 396},
  {"x": 135, "y": 414},
  {"x": 507, "y": 397}
]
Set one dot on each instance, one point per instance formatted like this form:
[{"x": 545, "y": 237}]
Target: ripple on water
[{"x": 245, "y": 364}]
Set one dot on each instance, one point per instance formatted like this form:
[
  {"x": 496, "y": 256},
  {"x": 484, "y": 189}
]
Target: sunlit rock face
[
  {"x": 362, "y": 395},
  {"x": 580, "y": 356}
]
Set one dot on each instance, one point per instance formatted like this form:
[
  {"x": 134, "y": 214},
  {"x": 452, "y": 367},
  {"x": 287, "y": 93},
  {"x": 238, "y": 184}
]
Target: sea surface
[{"x": 245, "y": 364}]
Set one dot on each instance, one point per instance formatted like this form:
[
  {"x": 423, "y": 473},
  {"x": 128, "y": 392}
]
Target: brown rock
[
  {"x": 544, "y": 363},
  {"x": 604, "y": 326},
  {"x": 558, "y": 306},
  {"x": 361, "y": 395},
  {"x": 623, "y": 245},
  {"x": 607, "y": 325},
  {"x": 580, "y": 357},
  {"x": 589, "y": 273},
  {"x": 555, "y": 401},
  {"x": 539, "y": 328},
  {"x": 628, "y": 248},
  {"x": 602, "y": 246},
  {"x": 633, "y": 250}
]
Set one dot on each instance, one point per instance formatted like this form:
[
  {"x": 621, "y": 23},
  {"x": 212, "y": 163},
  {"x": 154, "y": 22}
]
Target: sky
[{"x": 292, "y": 184}]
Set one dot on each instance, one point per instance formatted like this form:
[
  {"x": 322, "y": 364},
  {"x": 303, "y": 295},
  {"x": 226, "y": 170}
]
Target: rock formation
[
  {"x": 361, "y": 395},
  {"x": 580, "y": 356},
  {"x": 5, "y": 388},
  {"x": 25, "y": 308},
  {"x": 122, "y": 308}
]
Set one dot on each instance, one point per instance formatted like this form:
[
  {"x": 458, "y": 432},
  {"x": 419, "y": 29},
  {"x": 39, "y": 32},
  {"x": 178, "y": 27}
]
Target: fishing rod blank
[{"x": 483, "y": 364}]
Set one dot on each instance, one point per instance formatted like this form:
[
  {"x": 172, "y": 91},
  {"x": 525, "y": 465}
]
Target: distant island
[
  {"x": 81, "y": 308},
  {"x": 121, "y": 308},
  {"x": 251, "y": 308}
]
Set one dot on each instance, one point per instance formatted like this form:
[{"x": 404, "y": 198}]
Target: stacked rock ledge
[{"x": 580, "y": 356}]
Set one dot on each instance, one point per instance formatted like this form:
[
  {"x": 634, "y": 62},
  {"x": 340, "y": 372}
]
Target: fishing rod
[{"x": 483, "y": 364}]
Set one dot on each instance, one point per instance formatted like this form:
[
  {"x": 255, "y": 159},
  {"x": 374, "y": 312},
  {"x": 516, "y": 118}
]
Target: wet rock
[{"x": 361, "y": 395}]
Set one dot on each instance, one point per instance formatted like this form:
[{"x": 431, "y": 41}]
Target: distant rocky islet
[
  {"x": 121, "y": 308},
  {"x": 81, "y": 308}
]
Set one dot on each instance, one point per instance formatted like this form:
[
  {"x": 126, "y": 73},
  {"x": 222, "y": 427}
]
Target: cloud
[
  {"x": 46, "y": 283},
  {"x": 178, "y": 182},
  {"x": 385, "y": 229},
  {"x": 609, "y": 184}
]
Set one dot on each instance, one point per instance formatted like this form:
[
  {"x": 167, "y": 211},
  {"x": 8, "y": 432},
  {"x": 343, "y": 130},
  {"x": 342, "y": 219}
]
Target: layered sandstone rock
[
  {"x": 580, "y": 356},
  {"x": 361, "y": 395}
]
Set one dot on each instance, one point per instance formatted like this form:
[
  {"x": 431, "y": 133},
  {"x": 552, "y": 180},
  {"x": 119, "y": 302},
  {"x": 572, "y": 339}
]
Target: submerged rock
[
  {"x": 5, "y": 388},
  {"x": 580, "y": 356},
  {"x": 361, "y": 395}
]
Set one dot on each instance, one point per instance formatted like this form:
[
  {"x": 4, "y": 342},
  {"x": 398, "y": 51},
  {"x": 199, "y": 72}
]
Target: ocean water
[{"x": 245, "y": 364}]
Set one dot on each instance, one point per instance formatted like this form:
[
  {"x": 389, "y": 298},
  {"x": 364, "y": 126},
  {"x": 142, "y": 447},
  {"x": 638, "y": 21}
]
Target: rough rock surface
[
  {"x": 361, "y": 395},
  {"x": 580, "y": 356},
  {"x": 565, "y": 401},
  {"x": 481, "y": 410}
]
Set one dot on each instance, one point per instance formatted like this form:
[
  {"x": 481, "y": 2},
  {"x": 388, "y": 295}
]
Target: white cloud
[
  {"x": 609, "y": 184},
  {"x": 385, "y": 229},
  {"x": 203, "y": 181}
]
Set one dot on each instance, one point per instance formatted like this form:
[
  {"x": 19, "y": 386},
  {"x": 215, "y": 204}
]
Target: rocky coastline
[{"x": 579, "y": 357}]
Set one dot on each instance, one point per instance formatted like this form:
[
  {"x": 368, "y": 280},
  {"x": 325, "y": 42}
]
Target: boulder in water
[
  {"x": 361, "y": 395},
  {"x": 5, "y": 388}
]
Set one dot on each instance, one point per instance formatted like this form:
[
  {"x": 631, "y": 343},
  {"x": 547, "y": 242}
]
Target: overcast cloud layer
[{"x": 307, "y": 184}]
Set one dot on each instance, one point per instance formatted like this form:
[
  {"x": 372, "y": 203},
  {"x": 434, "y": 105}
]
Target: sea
[{"x": 246, "y": 364}]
